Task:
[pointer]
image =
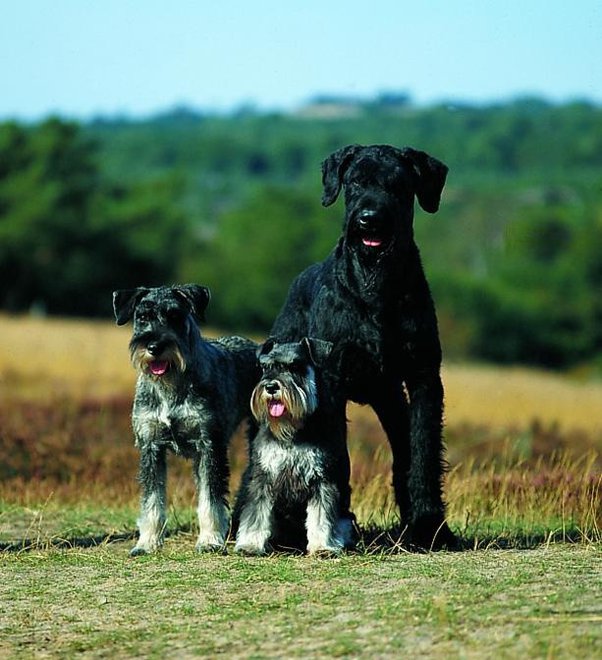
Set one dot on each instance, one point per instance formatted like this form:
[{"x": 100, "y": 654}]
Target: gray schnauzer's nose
[
  {"x": 272, "y": 387},
  {"x": 154, "y": 348}
]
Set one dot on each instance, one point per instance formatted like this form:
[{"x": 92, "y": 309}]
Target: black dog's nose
[
  {"x": 365, "y": 217},
  {"x": 272, "y": 387}
]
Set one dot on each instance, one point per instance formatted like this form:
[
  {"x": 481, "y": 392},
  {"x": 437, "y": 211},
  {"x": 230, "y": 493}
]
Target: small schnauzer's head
[
  {"x": 380, "y": 183},
  {"x": 288, "y": 390},
  {"x": 165, "y": 326}
]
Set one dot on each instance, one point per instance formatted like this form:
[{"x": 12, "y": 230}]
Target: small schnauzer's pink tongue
[
  {"x": 371, "y": 242},
  {"x": 158, "y": 367},
  {"x": 276, "y": 408}
]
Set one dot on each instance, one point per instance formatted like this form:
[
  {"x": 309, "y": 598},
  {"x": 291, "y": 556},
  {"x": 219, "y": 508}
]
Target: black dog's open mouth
[
  {"x": 372, "y": 241},
  {"x": 372, "y": 238}
]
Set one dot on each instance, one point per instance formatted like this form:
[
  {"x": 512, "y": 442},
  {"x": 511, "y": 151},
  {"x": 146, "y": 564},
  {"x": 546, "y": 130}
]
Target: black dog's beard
[
  {"x": 285, "y": 411},
  {"x": 158, "y": 366}
]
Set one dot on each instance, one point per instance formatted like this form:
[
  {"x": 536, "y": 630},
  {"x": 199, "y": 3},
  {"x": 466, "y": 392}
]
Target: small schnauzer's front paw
[
  {"x": 325, "y": 552},
  {"x": 141, "y": 550},
  {"x": 215, "y": 548},
  {"x": 249, "y": 550}
]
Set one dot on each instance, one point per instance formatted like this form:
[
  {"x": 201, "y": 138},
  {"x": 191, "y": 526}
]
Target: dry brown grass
[
  {"x": 521, "y": 444},
  {"x": 45, "y": 357}
]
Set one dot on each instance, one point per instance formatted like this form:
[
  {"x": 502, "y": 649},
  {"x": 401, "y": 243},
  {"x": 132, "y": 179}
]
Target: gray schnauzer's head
[
  {"x": 165, "y": 326},
  {"x": 380, "y": 183},
  {"x": 288, "y": 390}
]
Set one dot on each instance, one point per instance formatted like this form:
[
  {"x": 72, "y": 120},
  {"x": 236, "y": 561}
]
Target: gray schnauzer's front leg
[
  {"x": 255, "y": 526},
  {"x": 325, "y": 534},
  {"x": 151, "y": 523},
  {"x": 211, "y": 476}
]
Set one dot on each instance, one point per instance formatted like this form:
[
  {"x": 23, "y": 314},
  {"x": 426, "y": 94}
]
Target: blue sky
[{"x": 81, "y": 58}]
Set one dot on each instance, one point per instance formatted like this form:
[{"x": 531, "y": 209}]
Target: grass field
[{"x": 524, "y": 493}]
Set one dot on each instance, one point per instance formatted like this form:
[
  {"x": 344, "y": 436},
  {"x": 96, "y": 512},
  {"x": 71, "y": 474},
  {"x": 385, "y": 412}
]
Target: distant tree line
[{"x": 234, "y": 202}]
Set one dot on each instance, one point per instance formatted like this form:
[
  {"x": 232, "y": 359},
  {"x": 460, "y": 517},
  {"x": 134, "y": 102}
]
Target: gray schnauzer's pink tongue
[
  {"x": 276, "y": 408},
  {"x": 158, "y": 367}
]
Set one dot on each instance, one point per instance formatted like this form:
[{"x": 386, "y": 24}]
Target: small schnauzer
[
  {"x": 191, "y": 395},
  {"x": 370, "y": 298},
  {"x": 298, "y": 473}
]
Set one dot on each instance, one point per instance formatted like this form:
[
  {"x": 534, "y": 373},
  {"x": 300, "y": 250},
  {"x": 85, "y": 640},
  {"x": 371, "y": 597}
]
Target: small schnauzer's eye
[{"x": 298, "y": 367}]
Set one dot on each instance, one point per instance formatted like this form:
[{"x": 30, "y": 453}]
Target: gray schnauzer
[
  {"x": 191, "y": 395},
  {"x": 298, "y": 472}
]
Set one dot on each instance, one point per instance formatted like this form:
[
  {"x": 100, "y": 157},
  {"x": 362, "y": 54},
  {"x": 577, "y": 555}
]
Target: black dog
[
  {"x": 191, "y": 395},
  {"x": 298, "y": 474},
  {"x": 371, "y": 299}
]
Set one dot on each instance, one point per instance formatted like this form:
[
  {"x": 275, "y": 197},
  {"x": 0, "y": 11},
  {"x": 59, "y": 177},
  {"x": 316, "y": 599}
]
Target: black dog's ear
[
  {"x": 430, "y": 178},
  {"x": 317, "y": 349},
  {"x": 196, "y": 296},
  {"x": 124, "y": 303},
  {"x": 333, "y": 170}
]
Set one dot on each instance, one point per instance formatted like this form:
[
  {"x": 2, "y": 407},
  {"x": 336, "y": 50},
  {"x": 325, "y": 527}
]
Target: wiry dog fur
[
  {"x": 370, "y": 298},
  {"x": 191, "y": 395},
  {"x": 298, "y": 474}
]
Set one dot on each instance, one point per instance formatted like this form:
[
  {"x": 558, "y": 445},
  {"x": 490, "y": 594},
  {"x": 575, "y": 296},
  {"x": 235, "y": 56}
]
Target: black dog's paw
[{"x": 432, "y": 533}]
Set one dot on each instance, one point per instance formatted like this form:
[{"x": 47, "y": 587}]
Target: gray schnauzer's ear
[
  {"x": 124, "y": 303},
  {"x": 333, "y": 170},
  {"x": 430, "y": 178},
  {"x": 197, "y": 298},
  {"x": 317, "y": 349}
]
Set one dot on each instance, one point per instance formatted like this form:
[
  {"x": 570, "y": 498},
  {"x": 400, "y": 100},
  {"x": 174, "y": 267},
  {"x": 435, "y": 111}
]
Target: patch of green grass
[{"x": 539, "y": 602}]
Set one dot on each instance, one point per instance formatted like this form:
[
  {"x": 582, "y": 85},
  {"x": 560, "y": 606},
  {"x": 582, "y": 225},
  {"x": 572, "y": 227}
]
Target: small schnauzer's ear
[
  {"x": 333, "y": 170},
  {"x": 265, "y": 348},
  {"x": 197, "y": 297},
  {"x": 430, "y": 178},
  {"x": 317, "y": 349},
  {"x": 124, "y": 303}
]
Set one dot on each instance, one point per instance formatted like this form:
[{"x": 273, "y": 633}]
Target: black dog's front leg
[
  {"x": 428, "y": 528},
  {"x": 152, "y": 477}
]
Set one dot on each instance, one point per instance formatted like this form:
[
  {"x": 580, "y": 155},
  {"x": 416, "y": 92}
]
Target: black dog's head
[
  {"x": 380, "y": 184},
  {"x": 288, "y": 390},
  {"x": 165, "y": 325}
]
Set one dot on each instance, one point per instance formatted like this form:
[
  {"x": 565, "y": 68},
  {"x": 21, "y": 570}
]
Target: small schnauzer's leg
[
  {"x": 428, "y": 528},
  {"x": 151, "y": 523},
  {"x": 255, "y": 526},
  {"x": 323, "y": 524},
  {"x": 211, "y": 476}
]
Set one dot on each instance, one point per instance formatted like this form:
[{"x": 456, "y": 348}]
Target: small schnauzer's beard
[
  {"x": 164, "y": 366},
  {"x": 286, "y": 410}
]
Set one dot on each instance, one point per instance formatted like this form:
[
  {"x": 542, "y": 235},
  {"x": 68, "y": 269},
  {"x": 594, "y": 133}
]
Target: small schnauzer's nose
[{"x": 272, "y": 387}]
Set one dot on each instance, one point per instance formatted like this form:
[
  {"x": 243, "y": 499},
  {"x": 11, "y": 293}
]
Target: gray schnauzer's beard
[
  {"x": 169, "y": 363},
  {"x": 285, "y": 411}
]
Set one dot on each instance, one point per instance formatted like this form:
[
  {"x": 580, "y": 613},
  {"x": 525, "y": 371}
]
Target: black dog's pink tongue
[
  {"x": 158, "y": 367},
  {"x": 276, "y": 408},
  {"x": 371, "y": 242}
]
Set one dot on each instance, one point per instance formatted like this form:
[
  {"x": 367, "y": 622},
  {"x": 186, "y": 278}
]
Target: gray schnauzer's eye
[{"x": 175, "y": 315}]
